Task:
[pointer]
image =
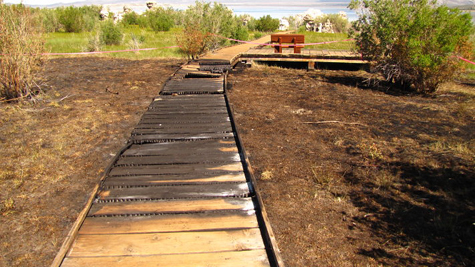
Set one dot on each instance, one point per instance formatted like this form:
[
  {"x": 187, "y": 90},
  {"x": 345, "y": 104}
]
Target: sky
[{"x": 275, "y": 8}]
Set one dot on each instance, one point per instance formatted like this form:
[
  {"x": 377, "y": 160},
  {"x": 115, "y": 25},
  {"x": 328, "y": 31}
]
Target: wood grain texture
[
  {"x": 249, "y": 258},
  {"x": 171, "y": 206},
  {"x": 173, "y": 179},
  {"x": 169, "y": 223},
  {"x": 175, "y": 191},
  {"x": 166, "y": 243}
]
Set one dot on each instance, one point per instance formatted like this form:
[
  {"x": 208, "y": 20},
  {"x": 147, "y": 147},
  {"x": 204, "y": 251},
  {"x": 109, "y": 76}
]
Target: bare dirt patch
[
  {"x": 55, "y": 150},
  {"x": 354, "y": 176}
]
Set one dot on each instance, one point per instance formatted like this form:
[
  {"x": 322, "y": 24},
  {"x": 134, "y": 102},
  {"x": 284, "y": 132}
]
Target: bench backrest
[{"x": 287, "y": 38}]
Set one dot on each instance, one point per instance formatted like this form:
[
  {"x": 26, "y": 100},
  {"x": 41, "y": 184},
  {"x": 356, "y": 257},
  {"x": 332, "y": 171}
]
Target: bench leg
[
  {"x": 278, "y": 49},
  {"x": 297, "y": 50}
]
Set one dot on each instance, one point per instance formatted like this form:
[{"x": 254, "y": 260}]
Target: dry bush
[
  {"x": 193, "y": 42},
  {"x": 21, "y": 48}
]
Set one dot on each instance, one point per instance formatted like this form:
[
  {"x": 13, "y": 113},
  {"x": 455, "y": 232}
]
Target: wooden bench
[{"x": 289, "y": 40}]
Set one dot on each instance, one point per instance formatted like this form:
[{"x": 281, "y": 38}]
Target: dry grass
[{"x": 21, "y": 46}]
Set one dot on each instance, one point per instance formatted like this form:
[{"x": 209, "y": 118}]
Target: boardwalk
[{"x": 179, "y": 193}]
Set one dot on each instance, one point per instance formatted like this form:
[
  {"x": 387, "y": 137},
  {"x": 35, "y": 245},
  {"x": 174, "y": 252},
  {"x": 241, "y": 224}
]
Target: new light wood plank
[
  {"x": 171, "y": 206},
  {"x": 169, "y": 223},
  {"x": 173, "y": 179},
  {"x": 249, "y": 258},
  {"x": 166, "y": 243},
  {"x": 175, "y": 191}
]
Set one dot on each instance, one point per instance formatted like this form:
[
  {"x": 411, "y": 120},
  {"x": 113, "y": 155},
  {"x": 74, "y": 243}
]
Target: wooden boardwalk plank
[
  {"x": 175, "y": 191},
  {"x": 169, "y": 223},
  {"x": 182, "y": 148},
  {"x": 183, "y": 130},
  {"x": 185, "y": 116},
  {"x": 179, "y": 137},
  {"x": 173, "y": 179},
  {"x": 176, "y": 125},
  {"x": 179, "y": 159},
  {"x": 166, "y": 243},
  {"x": 170, "y": 206},
  {"x": 190, "y": 120},
  {"x": 207, "y": 168},
  {"x": 248, "y": 258}
]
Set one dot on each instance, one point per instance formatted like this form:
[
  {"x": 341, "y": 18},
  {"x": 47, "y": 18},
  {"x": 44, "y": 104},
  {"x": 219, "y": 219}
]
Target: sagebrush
[{"x": 414, "y": 44}]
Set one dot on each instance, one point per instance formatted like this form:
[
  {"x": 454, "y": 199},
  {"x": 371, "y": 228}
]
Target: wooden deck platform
[
  {"x": 179, "y": 193},
  {"x": 310, "y": 56}
]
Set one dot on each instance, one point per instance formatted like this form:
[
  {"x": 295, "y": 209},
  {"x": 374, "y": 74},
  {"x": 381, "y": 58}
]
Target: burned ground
[{"x": 353, "y": 175}]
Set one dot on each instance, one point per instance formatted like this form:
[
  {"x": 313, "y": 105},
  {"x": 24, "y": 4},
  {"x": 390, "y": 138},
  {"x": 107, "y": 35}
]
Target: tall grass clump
[{"x": 21, "y": 48}]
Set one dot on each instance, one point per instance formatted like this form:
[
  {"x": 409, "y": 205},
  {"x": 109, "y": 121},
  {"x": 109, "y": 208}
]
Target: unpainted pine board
[
  {"x": 247, "y": 258},
  {"x": 170, "y": 206},
  {"x": 182, "y": 148},
  {"x": 169, "y": 223},
  {"x": 178, "y": 126},
  {"x": 166, "y": 243},
  {"x": 175, "y": 191},
  {"x": 179, "y": 159},
  {"x": 179, "y": 137}
]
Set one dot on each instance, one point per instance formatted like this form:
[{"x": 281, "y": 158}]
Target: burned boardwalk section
[{"x": 178, "y": 195}]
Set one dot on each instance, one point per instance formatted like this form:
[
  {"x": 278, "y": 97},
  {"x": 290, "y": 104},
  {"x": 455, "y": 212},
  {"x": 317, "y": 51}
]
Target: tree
[
  {"x": 414, "y": 43},
  {"x": 267, "y": 24}
]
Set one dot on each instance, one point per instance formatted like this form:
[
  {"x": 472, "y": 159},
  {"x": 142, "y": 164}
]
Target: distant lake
[{"x": 256, "y": 11}]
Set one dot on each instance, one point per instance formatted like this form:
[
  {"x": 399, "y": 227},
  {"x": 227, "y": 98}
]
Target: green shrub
[
  {"x": 160, "y": 20},
  {"x": 267, "y": 24},
  {"x": 110, "y": 33},
  {"x": 414, "y": 44},
  {"x": 21, "y": 47},
  {"x": 130, "y": 18},
  {"x": 79, "y": 19},
  {"x": 241, "y": 33}
]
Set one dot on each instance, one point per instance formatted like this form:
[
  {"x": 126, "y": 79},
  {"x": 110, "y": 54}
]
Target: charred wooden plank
[
  {"x": 182, "y": 148},
  {"x": 206, "y": 168},
  {"x": 175, "y": 192},
  {"x": 225, "y": 157},
  {"x": 173, "y": 179},
  {"x": 150, "y": 138}
]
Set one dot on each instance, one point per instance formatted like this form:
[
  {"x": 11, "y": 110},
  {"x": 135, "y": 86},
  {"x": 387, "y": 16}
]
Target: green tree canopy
[{"x": 413, "y": 43}]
